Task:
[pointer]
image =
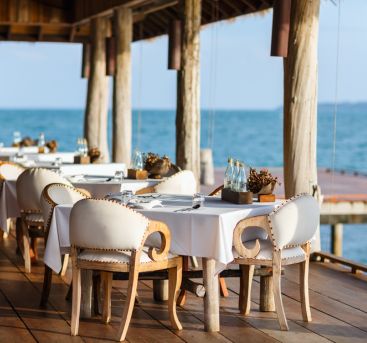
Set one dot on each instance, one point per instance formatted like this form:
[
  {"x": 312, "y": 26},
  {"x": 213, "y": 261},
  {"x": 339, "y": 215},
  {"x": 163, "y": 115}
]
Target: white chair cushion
[
  {"x": 10, "y": 171},
  {"x": 114, "y": 256},
  {"x": 103, "y": 224},
  {"x": 182, "y": 183},
  {"x": 295, "y": 222},
  {"x": 266, "y": 250}
]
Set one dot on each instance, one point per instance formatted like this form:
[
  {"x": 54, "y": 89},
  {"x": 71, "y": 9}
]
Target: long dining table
[
  {"x": 97, "y": 184},
  {"x": 206, "y": 232}
]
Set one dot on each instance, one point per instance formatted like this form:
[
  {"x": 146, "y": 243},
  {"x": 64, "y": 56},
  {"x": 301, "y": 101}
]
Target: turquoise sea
[{"x": 250, "y": 135}]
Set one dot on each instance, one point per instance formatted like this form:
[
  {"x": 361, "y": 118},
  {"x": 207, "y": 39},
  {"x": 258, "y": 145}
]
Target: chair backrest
[
  {"x": 30, "y": 185},
  {"x": 106, "y": 225},
  {"x": 57, "y": 194},
  {"x": 10, "y": 171},
  {"x": 295, "y": 222},
  {"x": 183, "y": 183}
]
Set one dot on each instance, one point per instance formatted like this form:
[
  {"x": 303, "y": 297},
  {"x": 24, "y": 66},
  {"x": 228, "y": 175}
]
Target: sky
[{"x": 237, "y": 71}]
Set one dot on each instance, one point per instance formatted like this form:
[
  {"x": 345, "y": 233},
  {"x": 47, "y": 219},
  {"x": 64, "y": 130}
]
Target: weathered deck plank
[{"x": 338, "y": 301}]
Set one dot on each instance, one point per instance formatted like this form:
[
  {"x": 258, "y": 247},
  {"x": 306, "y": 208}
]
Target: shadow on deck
[{"x": 338, "y": 300}]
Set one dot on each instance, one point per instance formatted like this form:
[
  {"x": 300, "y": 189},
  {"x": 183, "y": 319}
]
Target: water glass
[
  {"x": 137, "y": 160},
  {"x": 58, "y": 162},
  {"x": 1, "y": 145},
  {"x": 119, "y": 175},
  {"x": 126, "y": 196},
  {"x": 16, "y": 137},
  {"x": 198, "y": 199}
]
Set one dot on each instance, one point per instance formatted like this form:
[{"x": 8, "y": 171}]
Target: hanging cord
[
  {"x": 213, "y": 74},
  {"x": 336, "y": 98},
  {"x": 140, "y": 82}
]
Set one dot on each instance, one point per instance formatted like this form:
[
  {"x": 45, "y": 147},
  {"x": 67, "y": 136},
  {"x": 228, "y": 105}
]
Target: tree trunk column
[
  {"x": 188, "y": 91},
  {"x": 300, "y": 99},
  {"x": 95, "y": 125},
  {"x": 122, "y": 121}
]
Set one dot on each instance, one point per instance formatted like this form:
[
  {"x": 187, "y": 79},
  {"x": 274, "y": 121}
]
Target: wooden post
[
  {"x": 174, "y": 45},
  {"x": 188, "y": 92},
  {"x": 300, "y": 98},
  {"x": 211, "y": 299},
  {"x": 280, "y": 33},
  {"x": 110, "y": 56},
  {"x": 121, "y": 113},
  {"x": 95, "y": 125},
  {"x": 86, "y": 60},
  {"x": 337, "y": 239}
]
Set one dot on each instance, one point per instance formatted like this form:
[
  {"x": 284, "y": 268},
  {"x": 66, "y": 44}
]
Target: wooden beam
[
  {"x": 95, "y": 126},
  {"x": 40, "y": 33},
  {"x": 121, "y": 112},
  {"x": 188, "y": 92},
  {"x": 249, "y": 4}
]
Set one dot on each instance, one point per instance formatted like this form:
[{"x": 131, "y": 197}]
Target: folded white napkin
[{"x": 145, "y": 204}]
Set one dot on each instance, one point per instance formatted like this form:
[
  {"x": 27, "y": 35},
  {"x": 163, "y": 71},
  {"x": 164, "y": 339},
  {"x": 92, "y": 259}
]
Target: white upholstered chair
[
  {"x": 290, "y": 229},
  {"x": 10, "y": 171},
  {"x": 109, "y": 237},
  {"x": 30, "y": 185},
  {"x": 52, "y": 195},
  {"x": 182, "y": 183}
]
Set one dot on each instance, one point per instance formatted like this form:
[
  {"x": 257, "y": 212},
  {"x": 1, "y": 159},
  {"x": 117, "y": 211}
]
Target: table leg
[
  {"x": 266, "y": 294},
  {"x": 86, "y": 301},
  {"x": 211, "y": 299}
]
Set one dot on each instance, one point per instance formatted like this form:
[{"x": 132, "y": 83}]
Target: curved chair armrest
[
  {"x": 145, "y": 190},
  {"x": 216, "y": 191},
  {"x": 162, "y": 229},
  {"x": 259, "y": 221}
]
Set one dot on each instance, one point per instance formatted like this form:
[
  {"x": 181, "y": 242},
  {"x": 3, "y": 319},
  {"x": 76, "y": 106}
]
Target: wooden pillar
[
  {"x": 300, "y": 98},
  {"x": 337, "y": 239},
  {"x": 121, "y": 113},
  {"x": 86, "y": 57},
  {"x": 95, "y": 125},
  {"x": 280, "y": 33},
  {"x": 188, "y": 91},
  {"x": 174, "y": 45}
]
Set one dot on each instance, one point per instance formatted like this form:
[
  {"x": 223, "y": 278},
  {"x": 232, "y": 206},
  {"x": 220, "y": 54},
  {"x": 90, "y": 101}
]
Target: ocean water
[{"x": 249, "y": 135}]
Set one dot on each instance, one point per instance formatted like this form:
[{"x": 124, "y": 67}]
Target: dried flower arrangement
[
  {"x": 261, "y": 182},
  {"x": 157, "y": 166},
  {"x": 52, "y": 145},
  {"x": 94, "y": 154}
]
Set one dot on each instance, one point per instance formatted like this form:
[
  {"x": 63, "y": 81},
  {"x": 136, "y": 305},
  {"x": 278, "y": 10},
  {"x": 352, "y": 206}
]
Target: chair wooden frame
[
  {"x": 247, "y": 262},
  {"x": 47, "y": 277},
  {"x": 160, "y": 261}
]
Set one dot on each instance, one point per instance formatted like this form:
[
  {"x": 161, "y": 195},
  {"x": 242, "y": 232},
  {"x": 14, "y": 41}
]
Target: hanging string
[
  {"x": 336, "y": 98},
  {"x": 140, "y": 82},
  {"x": 213, "y": 73}
]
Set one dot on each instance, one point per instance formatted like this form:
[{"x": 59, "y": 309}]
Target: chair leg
[
  {"x": 26, "y": 248},
  {"x": 182, "y": 296},
  {"x": 75, "y": 312},
  {"x": 65, "y": 263},
  {"x": 223, "y": 287},
  {"x": 175, "y": 278},
  {"x": 47, "y": 282},
  {"x": 277, "y": 272},
  {"x": 107, "y": 290},
  {"x": 130, "y": 300},
  {"x": 247, "y": 274},
  {"x": 303, "y": 282},
  {"x": 34, "y": 250}
]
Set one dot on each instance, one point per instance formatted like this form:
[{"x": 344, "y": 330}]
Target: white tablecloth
[
  {"x": 98, "y": 189},
  {"x": 8, "y": 203},
  {"x": 103, "y": 169},
  {"x": 205, "y": 232}
]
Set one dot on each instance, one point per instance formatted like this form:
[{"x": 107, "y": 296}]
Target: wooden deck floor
[{"x": 338, "y": 299}]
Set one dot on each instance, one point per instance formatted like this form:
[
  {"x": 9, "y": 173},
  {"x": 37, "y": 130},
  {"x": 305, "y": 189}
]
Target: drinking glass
[
  {"x": 126, "y": 196},
  {"x": 137, "y": 160},
  {"x": 16, "y": 137},
  {"x": 198, "y": 199},
  {"x": 58, "y": 162},
  {"x": 119, "y": 175},
  {"x": 1, "y": 145}
]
